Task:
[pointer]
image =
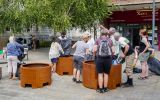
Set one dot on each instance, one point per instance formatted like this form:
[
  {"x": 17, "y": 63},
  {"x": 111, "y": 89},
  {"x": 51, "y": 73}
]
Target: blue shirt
[{"x": 14, "y": 49}]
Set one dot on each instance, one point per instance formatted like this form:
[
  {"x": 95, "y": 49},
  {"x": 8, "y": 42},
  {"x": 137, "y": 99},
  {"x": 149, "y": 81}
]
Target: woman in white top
[
  {"x": 54, "y": 53},
  {"x": 90, "y": 43}
]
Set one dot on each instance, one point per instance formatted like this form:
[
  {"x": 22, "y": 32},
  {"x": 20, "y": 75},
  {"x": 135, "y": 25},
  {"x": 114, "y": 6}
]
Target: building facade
[{"x": 131, "y": 16}]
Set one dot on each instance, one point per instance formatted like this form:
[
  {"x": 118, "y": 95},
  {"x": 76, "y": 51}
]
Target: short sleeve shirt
[
  {"x": 91, "y": 44},
  {"x": 81, "y": 47},
  {"x": 123, "y": 42},
  {"x": 116, "y": 45},
  {"x": 97, "y": 42}
]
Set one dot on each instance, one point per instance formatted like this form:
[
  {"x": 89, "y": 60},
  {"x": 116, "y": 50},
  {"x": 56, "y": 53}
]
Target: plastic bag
[{"x": 154, "y": 65}]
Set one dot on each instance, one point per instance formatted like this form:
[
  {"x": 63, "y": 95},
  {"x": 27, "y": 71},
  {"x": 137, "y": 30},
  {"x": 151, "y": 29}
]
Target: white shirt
[
  {"x": 55, "y": 50},
  {"x": 115, "y": 45},
  {"x": 91, "y": 44},
  {"x": 60, "y": 37},
  {"x": 123, "y": 42}
]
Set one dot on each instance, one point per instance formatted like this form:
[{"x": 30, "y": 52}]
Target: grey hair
[
  {"x": 112, "y": 29},
  {"x": 11, "y": 39},
  {"x": 117, "y": 34},
  {"x": 104, "y": 32}
]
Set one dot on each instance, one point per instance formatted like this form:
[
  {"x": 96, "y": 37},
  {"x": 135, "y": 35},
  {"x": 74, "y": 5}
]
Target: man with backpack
[
  {"x": 111, "y": 31},
  {"x": 103, "y": 52},
  {"x": 127, "y": 53}
]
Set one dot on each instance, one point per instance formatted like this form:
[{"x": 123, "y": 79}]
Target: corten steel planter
[
  {"x": 90, "y": 76},
  {"x": 65, "y": 65},
  {"x": 35, "y": 74}
]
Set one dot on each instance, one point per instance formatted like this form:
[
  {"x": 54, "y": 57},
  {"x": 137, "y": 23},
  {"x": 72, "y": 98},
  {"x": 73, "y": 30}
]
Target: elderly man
[
  {"x": 127, "y": 54},
  {"x": 115, "y": 43}
]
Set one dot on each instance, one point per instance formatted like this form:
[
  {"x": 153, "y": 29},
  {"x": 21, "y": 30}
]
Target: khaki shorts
[{"x": 129, "y": 64}]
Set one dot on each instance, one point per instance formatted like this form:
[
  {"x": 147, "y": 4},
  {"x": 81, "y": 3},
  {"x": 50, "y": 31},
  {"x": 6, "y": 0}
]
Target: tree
[{"x": 57, "y": 14}]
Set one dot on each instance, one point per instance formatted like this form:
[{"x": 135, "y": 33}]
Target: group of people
[
  {"x": 108, "y": 47},
  {"x": 103, "y": 51}
]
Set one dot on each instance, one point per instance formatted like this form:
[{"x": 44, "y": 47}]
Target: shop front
[{"x": 128, "y": 23}]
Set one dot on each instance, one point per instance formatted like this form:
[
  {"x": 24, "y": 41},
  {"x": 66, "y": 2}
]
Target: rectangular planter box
[{"x": 90, "y": 76}]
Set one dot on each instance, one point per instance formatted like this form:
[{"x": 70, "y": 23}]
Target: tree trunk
[{"x": 95, "y": 33}]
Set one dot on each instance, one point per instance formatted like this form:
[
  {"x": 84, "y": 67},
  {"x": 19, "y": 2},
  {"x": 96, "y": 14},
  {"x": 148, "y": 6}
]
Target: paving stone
[{"x": 62, "y": 87}]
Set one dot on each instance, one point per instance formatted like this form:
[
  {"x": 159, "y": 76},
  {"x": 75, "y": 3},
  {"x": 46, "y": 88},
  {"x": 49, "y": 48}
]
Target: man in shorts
[
  {"x": 103, "y": 51},
  {"x": 82, "y": 49},
  {"x": 111, "y": 31}
]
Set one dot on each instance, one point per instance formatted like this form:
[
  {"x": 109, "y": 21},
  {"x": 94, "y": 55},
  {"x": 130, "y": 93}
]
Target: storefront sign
[
  {"x": 146, "y": 13},
  {"x": 134, "y": 16},
  {"x": 131, "y": 1}
]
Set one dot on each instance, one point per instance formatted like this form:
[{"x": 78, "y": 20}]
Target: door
[{"x": 132, "y": 34}]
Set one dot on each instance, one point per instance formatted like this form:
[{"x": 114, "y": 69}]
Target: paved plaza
[{"x": 63, "y": 88}]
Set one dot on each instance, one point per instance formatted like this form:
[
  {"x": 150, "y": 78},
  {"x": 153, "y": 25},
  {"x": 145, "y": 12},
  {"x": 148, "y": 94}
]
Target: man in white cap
[{"x": 127, "y": 54}]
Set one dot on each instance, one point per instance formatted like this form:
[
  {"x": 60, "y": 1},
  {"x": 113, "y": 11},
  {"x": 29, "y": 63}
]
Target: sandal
[{"x": 141, "y": 78}]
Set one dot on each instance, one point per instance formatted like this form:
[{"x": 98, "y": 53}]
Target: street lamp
[{"x": 153, "y": 22}]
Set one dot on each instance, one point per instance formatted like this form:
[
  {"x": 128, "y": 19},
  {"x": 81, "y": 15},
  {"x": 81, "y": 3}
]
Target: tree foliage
[{"x": 57, "y": 14}]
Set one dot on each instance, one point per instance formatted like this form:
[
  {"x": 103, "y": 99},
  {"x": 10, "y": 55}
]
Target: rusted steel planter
[
  {"x": 35, "y": 74},
  {"x": 90, "y": 76},
  {"x": 65, "y": 65}
]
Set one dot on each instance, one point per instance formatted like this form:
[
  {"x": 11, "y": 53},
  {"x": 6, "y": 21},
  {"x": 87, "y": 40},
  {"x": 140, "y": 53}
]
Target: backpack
[
  {"x": 66, "y": 46},
  {"x": 21, "y": 55},
  {"x": 104, "y": 48}
]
